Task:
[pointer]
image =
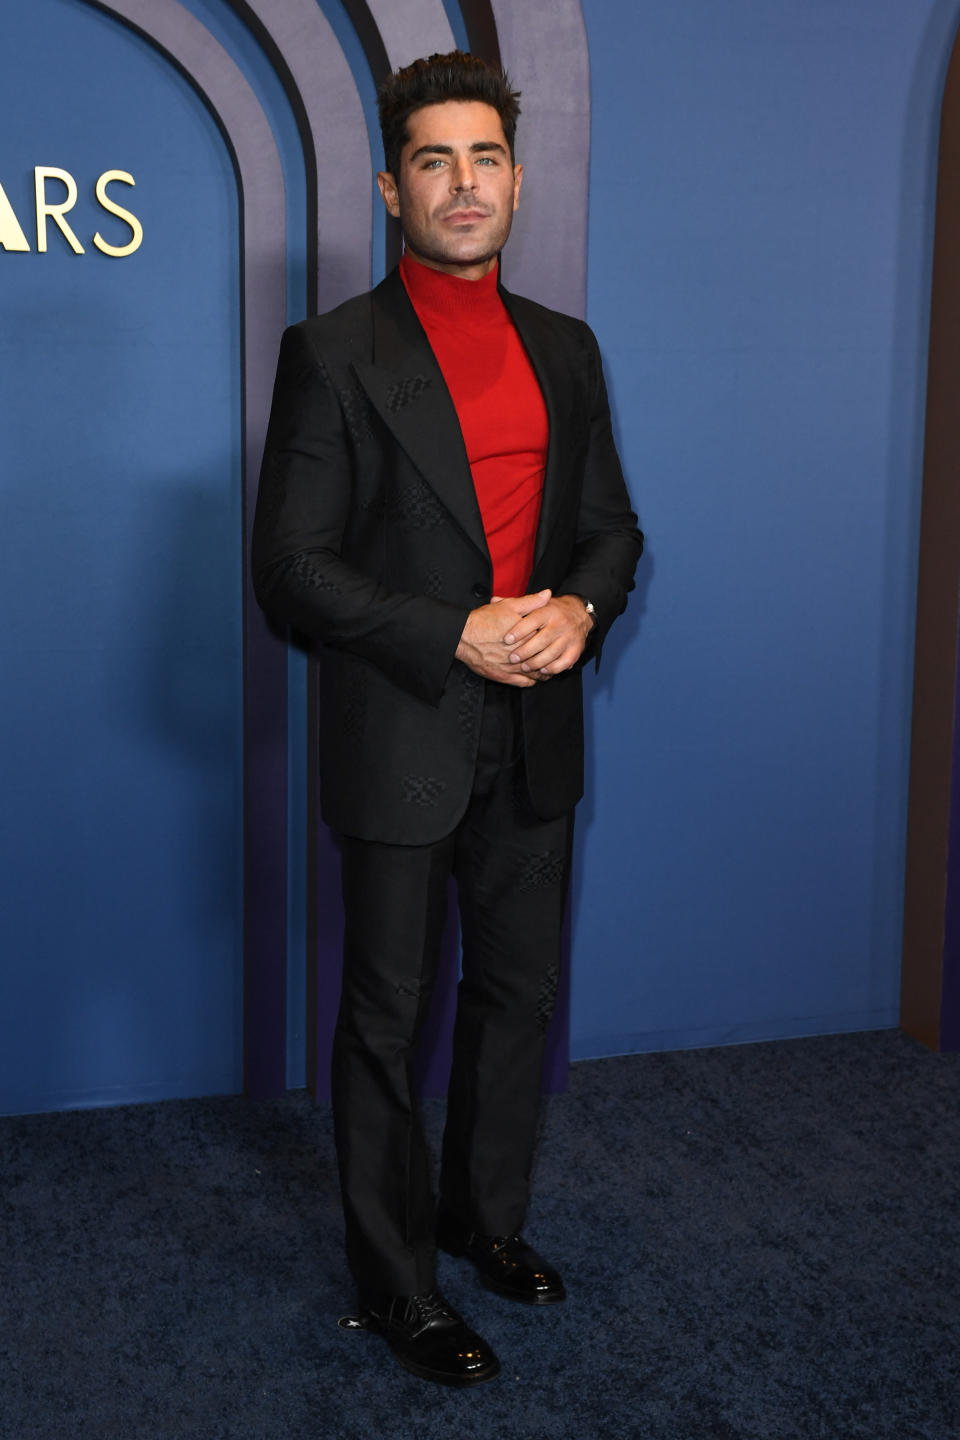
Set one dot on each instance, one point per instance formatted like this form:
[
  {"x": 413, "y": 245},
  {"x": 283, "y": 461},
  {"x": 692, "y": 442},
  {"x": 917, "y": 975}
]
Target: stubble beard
[{"x": 428, "y": 247}]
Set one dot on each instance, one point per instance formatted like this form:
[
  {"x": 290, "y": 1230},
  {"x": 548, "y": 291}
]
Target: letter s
[{"x": 136, "y": 228}]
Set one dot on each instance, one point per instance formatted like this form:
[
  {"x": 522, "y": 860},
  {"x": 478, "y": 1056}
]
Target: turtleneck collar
[{"x": 443, "y": 295}]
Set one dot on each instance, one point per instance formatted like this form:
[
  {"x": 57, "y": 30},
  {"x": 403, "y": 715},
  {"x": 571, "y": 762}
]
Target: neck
[{"x": 468, "y": 270}]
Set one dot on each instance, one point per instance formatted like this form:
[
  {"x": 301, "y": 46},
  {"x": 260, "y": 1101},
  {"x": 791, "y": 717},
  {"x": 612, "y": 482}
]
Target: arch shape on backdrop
[
  {"x": 409, "y": 30},
  {"x": 224, "y": 88},
  {"x": 930, "y": 982},
  {"x": 320, "y": 86},
  {"x": 544, "y": 46},
  {"x": 319, "y": 83}
]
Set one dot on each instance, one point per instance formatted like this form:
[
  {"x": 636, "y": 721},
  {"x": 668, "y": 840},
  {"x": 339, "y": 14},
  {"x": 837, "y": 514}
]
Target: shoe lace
[{"x": 432, "y": 1306}]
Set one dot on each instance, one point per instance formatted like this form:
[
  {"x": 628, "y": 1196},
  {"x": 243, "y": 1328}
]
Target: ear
[
  {"x": 517, "y": 177},
  {"x": 390, "y": 193}
]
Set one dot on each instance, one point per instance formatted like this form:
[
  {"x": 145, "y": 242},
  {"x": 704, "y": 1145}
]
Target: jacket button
[{"x": 481, "y": 591}]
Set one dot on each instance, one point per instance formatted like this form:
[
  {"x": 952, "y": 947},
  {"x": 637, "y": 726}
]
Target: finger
[
  {"x": 527, "y": 605},
  {"x": 524, "y": 631},
  {"x": 516, "y": 678},
  {"x": 538, "y": 642},
  {"x": 564, "y": 662},
  {"x": 495, "y": 669},
  {"x": 549, "y": 655},
  {"x": 532, "y": 654}
]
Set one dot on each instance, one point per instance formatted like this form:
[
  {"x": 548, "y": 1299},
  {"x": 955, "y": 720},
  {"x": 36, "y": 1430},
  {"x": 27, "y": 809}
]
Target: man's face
[{"x": 457, "y": 190}]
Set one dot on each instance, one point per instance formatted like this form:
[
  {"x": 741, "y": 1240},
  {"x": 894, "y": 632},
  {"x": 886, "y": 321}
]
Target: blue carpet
[{"x": 759, "y": 1242}]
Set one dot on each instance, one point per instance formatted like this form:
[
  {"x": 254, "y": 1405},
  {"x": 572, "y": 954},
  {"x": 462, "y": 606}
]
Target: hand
[
  {"x": 550, "y": 639},
  {"x": 482, "y": 647}
]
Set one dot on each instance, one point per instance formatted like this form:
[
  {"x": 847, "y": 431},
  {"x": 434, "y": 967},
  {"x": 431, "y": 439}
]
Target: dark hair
[{"x": 456, "y": 76}]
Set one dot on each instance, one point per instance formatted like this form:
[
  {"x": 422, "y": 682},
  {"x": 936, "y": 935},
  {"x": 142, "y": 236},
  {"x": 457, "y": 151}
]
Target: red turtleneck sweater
[{"x": 499, "y": 406}]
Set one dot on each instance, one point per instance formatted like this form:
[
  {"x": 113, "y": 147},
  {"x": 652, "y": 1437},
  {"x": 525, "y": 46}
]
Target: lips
[{"x": 464, "y": 217}]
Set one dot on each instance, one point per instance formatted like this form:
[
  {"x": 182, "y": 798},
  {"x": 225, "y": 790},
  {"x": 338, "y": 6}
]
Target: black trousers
[{"x": 511, "y": 870}]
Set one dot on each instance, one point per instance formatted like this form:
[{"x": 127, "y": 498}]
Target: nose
[{"x": 463, "y": 176}]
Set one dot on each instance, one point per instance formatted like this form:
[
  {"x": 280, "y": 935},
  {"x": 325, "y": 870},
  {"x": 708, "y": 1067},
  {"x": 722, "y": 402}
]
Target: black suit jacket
[{"x": 368, "y": 539}]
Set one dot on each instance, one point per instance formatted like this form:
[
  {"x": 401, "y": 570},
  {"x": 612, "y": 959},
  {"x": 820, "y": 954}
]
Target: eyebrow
[{"x": 475, "y": 148}]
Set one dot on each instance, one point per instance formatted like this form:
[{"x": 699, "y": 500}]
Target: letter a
[{"x": 11, "y": 236}]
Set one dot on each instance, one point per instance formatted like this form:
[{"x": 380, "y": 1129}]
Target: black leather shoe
[
  {"x": 505, "y": 1263},
  {"x": 431, "y": 1340}
]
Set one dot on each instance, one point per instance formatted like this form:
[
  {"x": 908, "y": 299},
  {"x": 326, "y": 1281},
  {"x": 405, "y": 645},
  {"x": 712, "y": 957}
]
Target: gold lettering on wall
[
  {"x": 136, "y": 236},
  {"x": 11, "y": 235},
  {"x": 41, "y": 174}
]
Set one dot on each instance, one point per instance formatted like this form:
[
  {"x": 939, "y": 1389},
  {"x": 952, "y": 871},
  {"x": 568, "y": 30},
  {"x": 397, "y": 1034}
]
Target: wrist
[{"x": 589, "y": 611}]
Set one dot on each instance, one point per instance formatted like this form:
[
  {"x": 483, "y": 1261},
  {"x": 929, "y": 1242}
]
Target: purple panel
[
  {"x": 544, "y": 48},
  {"x": 320, "y": 84},
  {"x": 411, "y": 28},
  {"x": 237, "y": 110},
  {"x": 325, "y": 99}
]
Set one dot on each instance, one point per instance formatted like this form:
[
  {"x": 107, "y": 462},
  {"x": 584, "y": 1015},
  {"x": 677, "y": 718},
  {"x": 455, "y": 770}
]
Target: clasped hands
[{"x": 525, "y": 639}]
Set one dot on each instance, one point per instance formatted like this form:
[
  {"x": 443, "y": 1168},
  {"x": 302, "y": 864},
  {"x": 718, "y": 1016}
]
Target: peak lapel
[{"x": 407, "y": 389}]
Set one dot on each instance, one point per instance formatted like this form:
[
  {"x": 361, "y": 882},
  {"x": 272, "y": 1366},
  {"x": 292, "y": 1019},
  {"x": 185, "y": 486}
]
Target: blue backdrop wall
[
  {"x": 760, "y": 233},
  {"x": 120, "y": 630}
]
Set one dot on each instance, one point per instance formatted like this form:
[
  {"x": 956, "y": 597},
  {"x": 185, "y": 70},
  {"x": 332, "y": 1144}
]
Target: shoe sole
[
  {"x": 460, "y": 1381},
  {"x": 550, "y": 1297}
]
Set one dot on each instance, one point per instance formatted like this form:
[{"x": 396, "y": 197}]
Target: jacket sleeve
[
  {"x": 307, "y": 489},
  {"x": 609, "y": 542}
]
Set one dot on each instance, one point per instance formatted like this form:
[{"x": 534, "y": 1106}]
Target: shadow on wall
[{"x": 600, "y": 687}]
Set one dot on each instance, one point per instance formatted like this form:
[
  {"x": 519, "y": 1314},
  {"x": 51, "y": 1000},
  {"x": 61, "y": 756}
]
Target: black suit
[{"x": 368, "y": 539}]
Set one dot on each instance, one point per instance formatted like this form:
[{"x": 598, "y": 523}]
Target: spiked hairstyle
[{"x": 456, "y": 76}]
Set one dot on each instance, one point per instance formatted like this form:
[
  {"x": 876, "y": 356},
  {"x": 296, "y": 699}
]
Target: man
[{"x": 443, "y": 511}]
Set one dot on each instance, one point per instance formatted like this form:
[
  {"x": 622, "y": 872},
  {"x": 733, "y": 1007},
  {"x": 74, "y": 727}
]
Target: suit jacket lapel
[
  {"x": 554, "y": 379},
  {"x": 407, "y": 389}
]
